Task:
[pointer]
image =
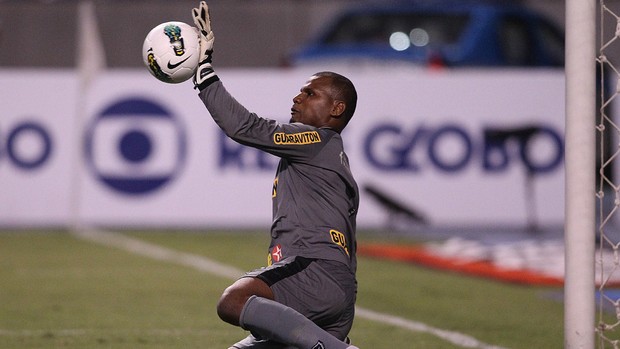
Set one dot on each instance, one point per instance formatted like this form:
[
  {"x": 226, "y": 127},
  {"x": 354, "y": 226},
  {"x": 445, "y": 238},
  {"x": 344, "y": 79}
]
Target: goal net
[{"x": 608, "y": 185}]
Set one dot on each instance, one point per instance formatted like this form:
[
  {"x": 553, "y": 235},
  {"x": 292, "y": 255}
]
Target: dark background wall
[{"x": 249, "y": 33}]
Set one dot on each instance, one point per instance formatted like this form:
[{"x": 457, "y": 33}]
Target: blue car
[{"x": 445, "y": 33}]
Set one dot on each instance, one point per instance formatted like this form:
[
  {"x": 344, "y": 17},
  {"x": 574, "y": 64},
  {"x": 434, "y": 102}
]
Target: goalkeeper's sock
[{"x": 275, "y": 321}]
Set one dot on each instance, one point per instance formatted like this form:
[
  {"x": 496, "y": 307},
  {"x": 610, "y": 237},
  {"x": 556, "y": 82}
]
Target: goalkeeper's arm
[{"x": 205, "y": 75}]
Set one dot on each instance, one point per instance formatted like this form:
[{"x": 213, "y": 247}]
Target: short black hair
[{"x": 344, "y": 90}]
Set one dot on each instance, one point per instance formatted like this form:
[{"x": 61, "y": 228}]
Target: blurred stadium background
[
  {"x": 519, "y": 255},
  {"x": 251, "y": 33}
]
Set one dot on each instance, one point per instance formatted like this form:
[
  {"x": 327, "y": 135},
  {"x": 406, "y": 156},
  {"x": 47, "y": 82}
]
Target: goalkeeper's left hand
[{"x": 204, "y": 74}]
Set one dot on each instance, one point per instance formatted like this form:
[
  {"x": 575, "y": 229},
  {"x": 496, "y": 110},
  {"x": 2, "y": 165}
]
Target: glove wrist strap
[{"x": 204, "y": 76}]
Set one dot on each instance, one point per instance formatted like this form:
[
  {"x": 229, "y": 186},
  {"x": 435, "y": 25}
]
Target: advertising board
[{"x": 462, "y": 147}]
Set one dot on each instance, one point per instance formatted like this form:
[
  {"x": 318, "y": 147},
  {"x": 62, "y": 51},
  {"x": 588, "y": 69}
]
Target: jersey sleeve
[{"x": 294, "y": 141}]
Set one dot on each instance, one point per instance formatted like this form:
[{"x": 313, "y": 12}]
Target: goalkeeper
[{"x": 305, "y": 297}]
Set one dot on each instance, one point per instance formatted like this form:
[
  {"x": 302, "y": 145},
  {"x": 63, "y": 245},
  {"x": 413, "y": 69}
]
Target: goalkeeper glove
[{"x": 204, "y": 74}]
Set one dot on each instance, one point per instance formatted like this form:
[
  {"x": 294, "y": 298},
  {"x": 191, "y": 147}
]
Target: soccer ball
[{"x": 171, "y": 51}]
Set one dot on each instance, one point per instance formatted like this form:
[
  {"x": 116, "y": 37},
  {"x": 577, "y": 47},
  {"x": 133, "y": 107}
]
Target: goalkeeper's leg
[
  {"x": 250, "y": 303},
  {"x": 270, "y": 319}
]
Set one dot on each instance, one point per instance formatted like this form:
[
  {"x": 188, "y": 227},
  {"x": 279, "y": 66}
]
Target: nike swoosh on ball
[{"x": 172, "y": 66}]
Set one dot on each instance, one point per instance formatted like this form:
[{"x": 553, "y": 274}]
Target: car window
[
  {"x": 552, "y": 42},
  {"x": 515, "y": 42},
  {"x": 519, "y": 47},
  {"x": 421, "y": 29}
]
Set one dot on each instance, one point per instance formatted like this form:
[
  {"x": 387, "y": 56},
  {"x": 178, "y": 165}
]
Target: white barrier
[
  {"x": 464, "y": 147},
  {"x": 37, "y": 146}
]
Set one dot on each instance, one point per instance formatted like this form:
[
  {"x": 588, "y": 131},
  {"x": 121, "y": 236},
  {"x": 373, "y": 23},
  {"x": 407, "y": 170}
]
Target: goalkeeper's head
[{"x": 327, "y": 99}]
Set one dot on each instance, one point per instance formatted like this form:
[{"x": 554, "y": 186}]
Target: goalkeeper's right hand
[{"x": 204, "y": 74}]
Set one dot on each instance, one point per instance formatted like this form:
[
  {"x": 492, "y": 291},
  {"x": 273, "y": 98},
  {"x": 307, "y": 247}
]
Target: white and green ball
[{"x": 171, "y": 51}]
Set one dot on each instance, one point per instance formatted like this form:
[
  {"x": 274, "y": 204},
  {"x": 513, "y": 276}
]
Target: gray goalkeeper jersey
[{"x": 315, "y": 197}]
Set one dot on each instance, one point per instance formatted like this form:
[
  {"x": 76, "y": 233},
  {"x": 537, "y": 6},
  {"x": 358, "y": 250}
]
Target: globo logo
[
  {"x": 451, "y": 148},
  {"x": 27, "y": 145},
  {"x": 135, "y": 146}
]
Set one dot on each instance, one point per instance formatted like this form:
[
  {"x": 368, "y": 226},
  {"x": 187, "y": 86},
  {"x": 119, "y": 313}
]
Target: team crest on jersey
[
  {"x": 276, "y": 254},
  {"x": 300, "y": 138},
  {"x": 339, "y": 239}
]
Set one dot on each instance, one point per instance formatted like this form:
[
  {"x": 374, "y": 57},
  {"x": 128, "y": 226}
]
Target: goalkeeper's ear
[{"x": 338, "y": 109}]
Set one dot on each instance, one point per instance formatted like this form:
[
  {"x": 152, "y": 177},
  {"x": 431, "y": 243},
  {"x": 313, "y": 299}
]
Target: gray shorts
[{"x": 322, "y": 290}]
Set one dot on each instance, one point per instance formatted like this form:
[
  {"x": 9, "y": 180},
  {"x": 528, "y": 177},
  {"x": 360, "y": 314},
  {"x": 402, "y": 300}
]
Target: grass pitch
[{"x": 58, "y": 291}]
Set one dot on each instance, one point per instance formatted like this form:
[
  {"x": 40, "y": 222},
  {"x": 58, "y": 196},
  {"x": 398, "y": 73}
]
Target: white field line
[
  {"x": 162, "y": 332},
  {"x": 456, "y": 338},
  {"x": 207, "y": 265},
  {"x": 154, "y": 251}
]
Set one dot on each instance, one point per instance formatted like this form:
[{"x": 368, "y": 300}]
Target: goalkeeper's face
[{"x": 315, "y": 104}]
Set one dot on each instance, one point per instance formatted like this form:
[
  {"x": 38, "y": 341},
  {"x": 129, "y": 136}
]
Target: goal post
[{"x": 580, "y": 175}]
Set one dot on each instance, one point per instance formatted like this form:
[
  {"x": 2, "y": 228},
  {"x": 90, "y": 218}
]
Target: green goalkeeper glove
[{"x": 204, "y": 74}]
